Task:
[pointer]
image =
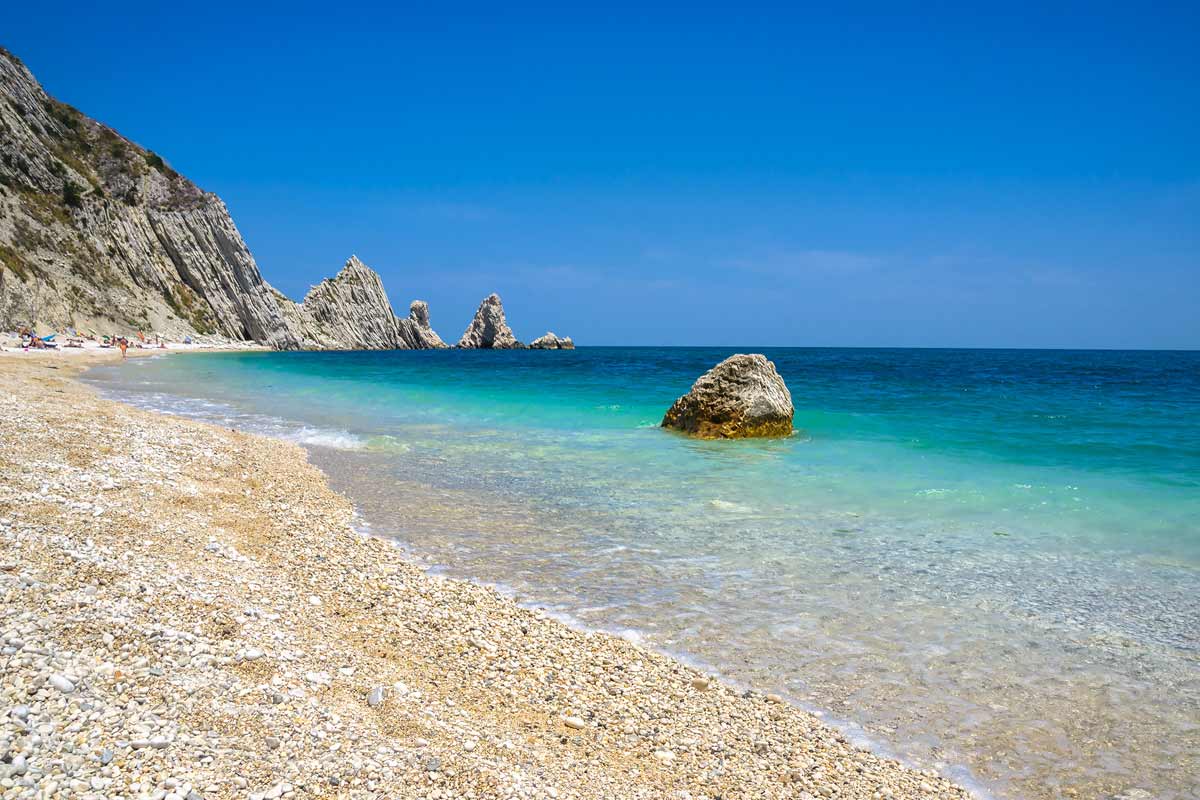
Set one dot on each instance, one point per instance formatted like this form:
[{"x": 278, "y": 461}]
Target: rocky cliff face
[
  {"x": 489, "y": 330},
  {"x": 99, "y": 233}
]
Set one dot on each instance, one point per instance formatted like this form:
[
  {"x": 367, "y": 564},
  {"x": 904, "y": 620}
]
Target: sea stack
[
  {"x": 416, "y": 331},
  {"x": 741, "y": 397},
  {"x": 550, "y": 341},
  {"x": 489, "y": 330}
]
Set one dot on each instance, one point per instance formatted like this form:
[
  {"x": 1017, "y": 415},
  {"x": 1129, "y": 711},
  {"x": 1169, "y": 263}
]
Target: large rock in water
[
  {"x": 742, "y": 396},
  {"x": 489, "y": 330},
  {"x": 549, "y": 341}
]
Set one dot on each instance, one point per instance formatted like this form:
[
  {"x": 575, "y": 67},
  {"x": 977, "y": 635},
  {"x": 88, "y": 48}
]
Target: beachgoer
[{"x": 124, "y": 345}]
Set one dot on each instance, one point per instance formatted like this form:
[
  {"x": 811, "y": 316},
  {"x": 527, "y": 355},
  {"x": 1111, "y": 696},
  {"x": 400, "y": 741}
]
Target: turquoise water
[{"x": 982, "y": 561}]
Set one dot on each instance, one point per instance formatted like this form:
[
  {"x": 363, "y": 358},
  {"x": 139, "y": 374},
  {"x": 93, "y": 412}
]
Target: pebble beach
[{"x": 190, "y": 612}]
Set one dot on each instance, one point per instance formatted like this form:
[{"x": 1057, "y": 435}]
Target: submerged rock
[
  {"x": 489, "y": 330},
  {"x": 550, "y": 341},
  {"x": 743, "y": 396}
]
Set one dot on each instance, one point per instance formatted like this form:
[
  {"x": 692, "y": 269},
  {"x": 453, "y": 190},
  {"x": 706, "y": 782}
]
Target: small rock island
[
  {"x": 552, "y": 341},
  {"x": 741, "y": 397},
  {"x": 489, "y": 329}
]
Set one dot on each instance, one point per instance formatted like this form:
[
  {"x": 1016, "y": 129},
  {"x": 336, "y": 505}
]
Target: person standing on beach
[{"x": 124, "y": 345}]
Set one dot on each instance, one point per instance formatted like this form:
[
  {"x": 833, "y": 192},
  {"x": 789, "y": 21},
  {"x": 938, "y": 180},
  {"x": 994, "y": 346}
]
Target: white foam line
[{"x": 225, "y": 415}]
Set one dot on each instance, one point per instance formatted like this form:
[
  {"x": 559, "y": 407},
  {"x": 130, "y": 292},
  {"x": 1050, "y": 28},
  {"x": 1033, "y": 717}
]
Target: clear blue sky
[{"x": 1012, "y": 175}]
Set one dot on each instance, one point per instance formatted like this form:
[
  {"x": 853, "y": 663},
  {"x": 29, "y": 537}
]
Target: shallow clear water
[{"x": 984, "y": 561}]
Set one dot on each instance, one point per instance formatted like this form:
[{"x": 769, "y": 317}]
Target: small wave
[
  {"x": 558, "y": 614},
  {"x": 632, "y": 635},
  {"x": 388, "y": 444},
  {"x": 318, "y": 437},
  {"x": 228, "y": 416}
]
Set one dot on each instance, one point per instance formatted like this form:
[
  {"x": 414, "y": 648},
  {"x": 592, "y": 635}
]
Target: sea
[{"x": 984, "y": 562}]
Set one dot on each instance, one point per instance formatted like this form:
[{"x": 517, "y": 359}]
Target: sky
[{"x": 936, "y": 175}]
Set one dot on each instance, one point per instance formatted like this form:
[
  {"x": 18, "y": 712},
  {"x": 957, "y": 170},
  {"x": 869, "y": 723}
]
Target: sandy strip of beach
[{"x": 188, "y": 612}]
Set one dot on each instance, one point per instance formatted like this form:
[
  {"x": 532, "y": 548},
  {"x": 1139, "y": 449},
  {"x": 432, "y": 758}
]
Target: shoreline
[{"x": 305, "y": 658}]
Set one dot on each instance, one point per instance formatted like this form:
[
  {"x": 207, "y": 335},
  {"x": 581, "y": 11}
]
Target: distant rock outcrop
[
  {"x": 97, "y": 232},
  {"x": 489, "y": 330},
  {"x": 742, "y": 396},
  {"x": 351, "y": 311},
  {"x": 549, "y": 341}
]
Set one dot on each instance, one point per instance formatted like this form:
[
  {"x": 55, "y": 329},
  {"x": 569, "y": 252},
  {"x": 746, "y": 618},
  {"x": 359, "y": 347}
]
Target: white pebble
[{"x": 62, "y": 684}]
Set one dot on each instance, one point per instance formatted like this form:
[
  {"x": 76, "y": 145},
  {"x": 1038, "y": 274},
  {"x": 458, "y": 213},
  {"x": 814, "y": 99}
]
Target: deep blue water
[{"x": 982, "y": 559}]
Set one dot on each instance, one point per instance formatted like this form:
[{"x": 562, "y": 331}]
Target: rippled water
[{"x": 985, "y": 561}]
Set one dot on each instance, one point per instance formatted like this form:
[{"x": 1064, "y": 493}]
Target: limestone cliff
[
  {"x": 99, "y": 233},
  {"x": 489, "y": 330}
]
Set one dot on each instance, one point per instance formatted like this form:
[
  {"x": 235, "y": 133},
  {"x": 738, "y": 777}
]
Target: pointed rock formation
[
  {"x": 416, "y": 332},
  {"x": 550, "y": 341},
  {"x": 489, "y": 330},
  {"x": 351, "y": 311},
  {"x": 742, "y": 396}
]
